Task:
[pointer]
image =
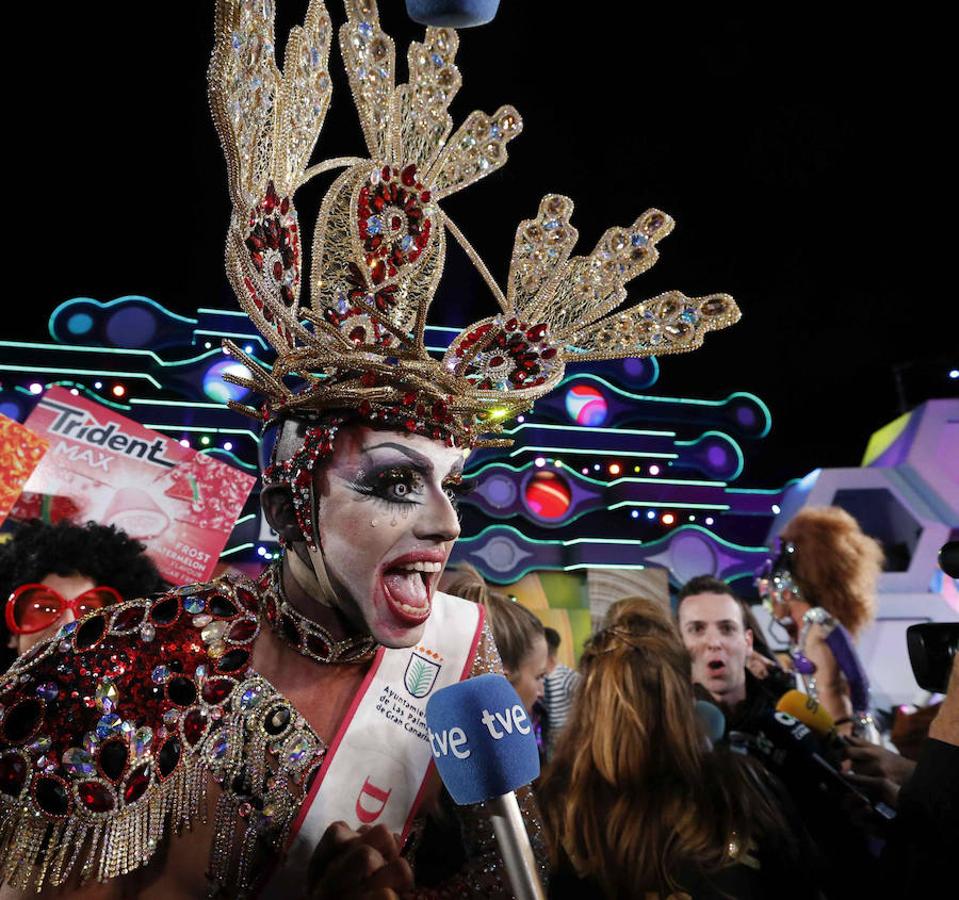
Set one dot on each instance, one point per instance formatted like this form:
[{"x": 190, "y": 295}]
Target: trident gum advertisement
[{"x": 180, "y": 503}]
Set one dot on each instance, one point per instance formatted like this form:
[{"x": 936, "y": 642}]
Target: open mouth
[
  {"x": 408, "y": 586},
  {"x": 716, "y": 666}
]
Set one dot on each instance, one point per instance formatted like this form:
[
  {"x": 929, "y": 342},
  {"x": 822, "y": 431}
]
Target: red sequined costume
[{"x": 113, "y": 732}]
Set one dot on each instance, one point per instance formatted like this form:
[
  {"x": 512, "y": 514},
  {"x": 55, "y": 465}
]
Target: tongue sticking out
[{"x": 407, "y": 588}]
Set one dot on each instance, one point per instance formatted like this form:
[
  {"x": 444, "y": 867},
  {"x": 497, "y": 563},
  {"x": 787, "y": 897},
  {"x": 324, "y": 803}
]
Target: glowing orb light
[
  {"x": 586, "y": 406},
  {"x": 219, "y": 390},
  {"x": 547, "y": 495}
]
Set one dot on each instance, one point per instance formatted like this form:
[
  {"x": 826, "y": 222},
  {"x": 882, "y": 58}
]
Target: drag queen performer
[
  {"x": 821, "y": 588},
  {"x": 258, "y": 714}
]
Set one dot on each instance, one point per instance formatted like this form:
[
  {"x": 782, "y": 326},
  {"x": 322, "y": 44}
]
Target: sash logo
[{"x": 421, "y": 672}]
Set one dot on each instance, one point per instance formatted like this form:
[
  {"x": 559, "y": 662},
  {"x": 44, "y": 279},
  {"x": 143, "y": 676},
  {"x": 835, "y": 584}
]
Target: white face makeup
[{"x": 387, "y": 522}]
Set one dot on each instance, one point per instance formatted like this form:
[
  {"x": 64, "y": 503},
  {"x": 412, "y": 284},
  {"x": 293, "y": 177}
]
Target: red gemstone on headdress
[
  {"x": 548, "y": 353},
  {"x": 285, "y": 205},
  {"x": 287, "y": 293},
  {"x": 496, "y": 361},
  {"x": 512, "y": 323},
  {"x": 425, "y": 197},
  {"x": 409, "y": 175},
  {"x": 440, "y": 410},
  {"x": 277, "y": 270},
  {"x": 378, "y": 271},
  {"x": 410, "y": 424},
  {"x": 385, "y": 173},
  {"x": 358, "y": 334},
  {"x": 409, "y": 398},
  {"x": 271, "y": 199},
  {"x": 368, "y": 379}
]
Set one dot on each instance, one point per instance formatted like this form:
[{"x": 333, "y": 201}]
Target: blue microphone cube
[
  {"x": 452, "y": 13},
  {"x": 482, "y": 739}
]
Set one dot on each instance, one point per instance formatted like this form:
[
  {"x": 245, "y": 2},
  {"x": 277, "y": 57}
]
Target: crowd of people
[{"x": 655, "y": 778}]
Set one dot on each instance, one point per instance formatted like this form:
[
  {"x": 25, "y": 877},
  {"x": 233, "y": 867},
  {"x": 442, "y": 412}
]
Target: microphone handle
[{"x": 510, "y": 831}]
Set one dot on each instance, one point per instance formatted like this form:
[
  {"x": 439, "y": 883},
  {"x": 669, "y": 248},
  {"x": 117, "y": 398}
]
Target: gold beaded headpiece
[{"x": 357, "y": 342}]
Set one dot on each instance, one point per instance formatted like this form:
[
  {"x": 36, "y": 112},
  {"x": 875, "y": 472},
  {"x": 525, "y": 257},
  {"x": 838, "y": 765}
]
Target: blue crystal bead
[
  {"x": 108, "y": 725},
  {"x": 374, "y": 225},
  {"x": 639, "y": 240},
  {"x": 41, "y": 745},
  {"x": 407, "y": 242},
  {"x": 314, "y": 57},
  {"x": 77, "y": 761},
  {"x": 160, "y": 674},
  {"x": 236, "y": 41},
  {"x": 551, "y": 225},
  {"x": 366, "y": 30},
  {"x": 438, "y": 60},
  {"x": 220, "y": 746},
  {"x": 49, "y": 690},
  {"x": 689, "y": 316},
  {"x": 494, "y": 132},
  {"x": 194, "y": 604},
  {"x": 250, "y": 697},
  {"x": 298, "y": 749}
]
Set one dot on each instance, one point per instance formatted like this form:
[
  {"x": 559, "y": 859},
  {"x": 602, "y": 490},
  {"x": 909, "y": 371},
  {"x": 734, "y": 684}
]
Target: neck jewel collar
[{"x": 305, "y": 636}]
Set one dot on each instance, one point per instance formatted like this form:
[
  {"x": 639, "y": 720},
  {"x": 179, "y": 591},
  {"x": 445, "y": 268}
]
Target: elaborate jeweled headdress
[{"x": 380, "y": 240}]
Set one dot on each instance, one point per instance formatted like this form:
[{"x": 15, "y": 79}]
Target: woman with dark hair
[
  {"x": 634, "y": 804},
  {"x": 51, "y": 574}
]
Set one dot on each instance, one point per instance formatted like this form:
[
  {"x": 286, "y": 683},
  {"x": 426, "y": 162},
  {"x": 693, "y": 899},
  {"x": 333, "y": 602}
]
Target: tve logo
[{"x": 481, "y": 738}]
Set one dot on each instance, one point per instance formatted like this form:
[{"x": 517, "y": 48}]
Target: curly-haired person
[
  {"x": 52, "y": 572},
  {"x": 822, "y": 588}
]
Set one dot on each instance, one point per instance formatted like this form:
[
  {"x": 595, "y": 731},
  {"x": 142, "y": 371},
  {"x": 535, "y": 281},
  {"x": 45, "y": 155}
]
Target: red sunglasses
[{"x": 33, "y": 607}]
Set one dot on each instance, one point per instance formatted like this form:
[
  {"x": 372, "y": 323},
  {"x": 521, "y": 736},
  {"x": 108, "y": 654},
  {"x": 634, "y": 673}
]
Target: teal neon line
[
  {"x": 28, "y": 345},
  {"x": 97, "y": 373},
  {"x": 193, "y": 404},
  {"x": 223, "y": 312},
  {"x": 583, "y": 452},
  {"x": 233, "y": 550},
  {"x": 245, "y": 518},
  {"x": 587, "y": 428},
  {"x": 603, "y": 566},
  {"x": 219, "y": 451},
  {"x": 735, "y": 445},
  {"x": 579, "y": 476},
  {"x": 107, "y": 304},
  {"x": 233, "y": 334},
  {"x": 204, "y": 430},
  {"x": 585, "y": 376},
  {"x": 669, "y": 504}
]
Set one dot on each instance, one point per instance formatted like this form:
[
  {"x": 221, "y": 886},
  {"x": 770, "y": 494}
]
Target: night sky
[{"x": 800, "y": 154}]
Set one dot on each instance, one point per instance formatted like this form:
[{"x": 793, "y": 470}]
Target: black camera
[{"x": 933, "y": 645}]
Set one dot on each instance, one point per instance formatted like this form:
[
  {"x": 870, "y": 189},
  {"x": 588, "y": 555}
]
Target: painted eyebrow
[{"x": 422, "y": 461}]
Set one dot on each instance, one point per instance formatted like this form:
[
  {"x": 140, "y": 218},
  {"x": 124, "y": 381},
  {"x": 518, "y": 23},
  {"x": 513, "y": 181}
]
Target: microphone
[
  {"x": 790, "y": 748},
  {"x": 711, "y": 720},
  {"x": 811, "y": 713},
  {"x": 484, "y": 748}
]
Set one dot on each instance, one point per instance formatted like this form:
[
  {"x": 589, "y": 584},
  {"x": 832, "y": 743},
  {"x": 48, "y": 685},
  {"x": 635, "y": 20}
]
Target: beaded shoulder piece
[
  {"x": 378, "y": 246},
  {"x": 110, "y": 731}
]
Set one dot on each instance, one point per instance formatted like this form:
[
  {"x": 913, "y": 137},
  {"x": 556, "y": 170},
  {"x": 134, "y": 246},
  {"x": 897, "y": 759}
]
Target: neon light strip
[
  {"x": 29, "y": 345},
  {"x": 585, "y": 376},
  {"x": 193, "y": 404},
  {"x": 732, "y": 441},
  {"x": 233, "y": 550},
  {"x": 603, "y": 566},
  {"x": 581, "y": 451},
  {"x": 97, "y": 373},
  {"x": 669, "y": 504},
  {"x": 107, "y": 304},
  {"x": 245, "y": 518},
  {"x": 205, "y": 430},
  {"x": 219, "y": 451},
  {"x": 590, "y": 430},
  {"x": 233, "y": 334},
  {"x": 579, "y": 476}
]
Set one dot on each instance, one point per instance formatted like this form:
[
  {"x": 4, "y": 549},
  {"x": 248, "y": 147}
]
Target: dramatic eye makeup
[{"x": 401, "y": 480}]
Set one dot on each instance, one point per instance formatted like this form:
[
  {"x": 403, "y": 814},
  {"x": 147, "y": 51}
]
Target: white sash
[{"x": 375, "y": 770}]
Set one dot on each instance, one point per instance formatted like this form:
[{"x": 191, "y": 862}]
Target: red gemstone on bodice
[
  {"x": 13, "y": 772},
  {"x": 95, "y": 797}
]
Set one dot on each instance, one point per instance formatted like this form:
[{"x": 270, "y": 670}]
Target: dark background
[{"x": 801, "y": 152}]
